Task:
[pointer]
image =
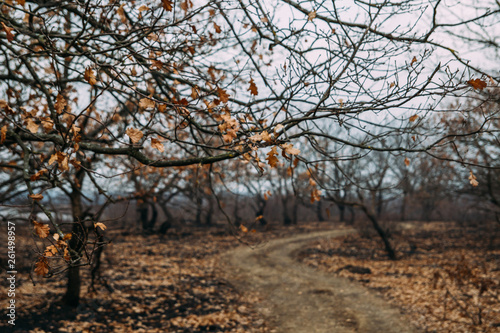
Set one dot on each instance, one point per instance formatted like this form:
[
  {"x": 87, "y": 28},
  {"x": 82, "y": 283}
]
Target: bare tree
[{"x": 86, "y": 85}]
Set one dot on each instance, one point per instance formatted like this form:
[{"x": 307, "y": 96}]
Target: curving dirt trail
[{"x": 296, "y": 298}]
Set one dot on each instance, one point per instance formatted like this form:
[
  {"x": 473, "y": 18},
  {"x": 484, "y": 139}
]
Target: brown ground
[
  {"x": 447, "y": 278},
  {"x": 295, "y": 298},
  {"x": 153, "y": 285},
  {"x": 202, "y": 281}
]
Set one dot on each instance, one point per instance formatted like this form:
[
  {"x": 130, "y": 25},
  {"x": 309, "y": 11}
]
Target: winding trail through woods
[{"x": 297, "y": 298}]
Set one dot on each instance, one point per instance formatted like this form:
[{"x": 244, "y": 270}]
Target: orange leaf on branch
[
  {"x": 8, "y": 32},
  {"x": 271, "y": 158},
  {"x": 414, "y": 117},
  {"x": 100, "y": 225},
  {"x": 47, "y": 124},
  {"x": 134, "y": 134},
  {"x": 217, "y": 28},
  {"x": 156, "y": 64},
  {"x": 37, "y": 175},
  {"x": 60, "y": 103},
  {"x": 36, "y": 197},
  {"x": 315, "y": 195},
  {"x": 50, "y": 251},
  {"x": 253, "y": 88},
  {"x": 311, "y": 16},
  {"x": 3, "y": 134},
  {"x": 31, "y": 125},
  {"x": 146, "y": 103},
  {"x": 89, "y": 76},
  {"x": 287, "y": 148},
  {"x": 473, "y": 180},
  {"x": 61, "y": 159},
  {"x": 121, "y": 13},
  {"x": 42, "y": 267},
  {"x": 477, "y": 84},
  {"x": 155, "y": 143},
  {"x": 41, "y": 229},
  {"x": 223, "y": 95}
]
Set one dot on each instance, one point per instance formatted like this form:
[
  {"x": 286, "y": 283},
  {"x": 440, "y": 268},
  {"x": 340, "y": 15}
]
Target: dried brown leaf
[
  {"x": 472, "y": 179},
  {"x": 167, "y": 5},
  {"x": 8, "y": 32},
  {"x": 134, "y": 134},
  {"x": 146, "y": 103},
  {"x": 100, "y": 225},
  {"x": 477, "y": 84},
  {"x": 42, "y": 267},
  {"x": 289, "y": 149},
  {"x": 271, "y": 158},
  {"x": 41, "y": 229},
  {"x": 223, "y": 95},
  {"x": 31, "y": 125},
  {"x": 60, "y": 103},
  {"x": 89, "y": 76},
  {"x": 155, "y": 143},
  {"x": 414, "y": 117},
  {"x": 217, "y": 28},
  {"x": 311, "y": 16},
  {"x": 36, "y": 197},
  {"x": 253, "y": 88},
  {"x": 3, "y": 134}
]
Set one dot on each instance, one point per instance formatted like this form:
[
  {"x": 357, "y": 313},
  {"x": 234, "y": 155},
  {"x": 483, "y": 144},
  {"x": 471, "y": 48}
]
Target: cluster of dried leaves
[{"x": 447, "y": 278}]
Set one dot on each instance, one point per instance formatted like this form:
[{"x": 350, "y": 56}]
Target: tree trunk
[
  {"x": 380, "y": 231},
  {"x": 380, "y": 204},
  {"x": 341, "y": 208},
  {"x": 236, "y": 212},
  {"x": 260, "y": 212},
  {"x": 295, "y": 212},
  {"x": 352, "y": 218},
  {"x": 287, "y": 220},
  {"x": 154, "y": 217},
  {"x": 143, "y": 210},
  {"x": 199, "y": 209},
  {"x": 403, "y": 206},
  {"x": 210, "y": 212},
  {"x": 319, "y": 211},
  {"x": 169, "y": 219},
  {"x": 72, "y": 296},
  {"x": 96, "y": 262}
]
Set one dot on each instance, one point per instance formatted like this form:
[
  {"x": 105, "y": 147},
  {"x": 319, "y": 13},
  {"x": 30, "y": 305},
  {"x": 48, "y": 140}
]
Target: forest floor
[
  {"x": 296, "y": 298},
  {"x": 447, "y": 278},
  {"x": 148, "y": 284},
  {"x": 209, "y": 280}
]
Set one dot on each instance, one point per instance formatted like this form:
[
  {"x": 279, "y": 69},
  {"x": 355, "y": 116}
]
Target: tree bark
[
  {"x": 154, "y": 217},
  {"x": 341, "y": 208},
  {"x": 319, "y": 211},
  {"x": 287, "y": 220},
  {"x": 199, "y": 209},
  {"x": 403, "y": 206},
  {"x": 72, "y": 296},
  {"x": 143, "y": 210},
  {"x": 380, "y": 231},
  {"x": 210, "y": 212}
]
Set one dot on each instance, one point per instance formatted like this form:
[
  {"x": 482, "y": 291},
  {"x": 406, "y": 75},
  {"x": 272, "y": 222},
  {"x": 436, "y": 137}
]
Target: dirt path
[{"x": 296, "y": 298}]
